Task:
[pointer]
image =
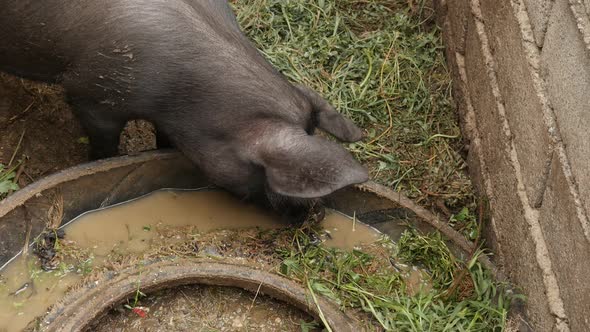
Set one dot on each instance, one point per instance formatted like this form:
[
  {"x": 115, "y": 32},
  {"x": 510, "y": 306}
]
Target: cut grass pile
[
  {"x": 381, "y": 63},
  {"x": 462, "y": 296}
]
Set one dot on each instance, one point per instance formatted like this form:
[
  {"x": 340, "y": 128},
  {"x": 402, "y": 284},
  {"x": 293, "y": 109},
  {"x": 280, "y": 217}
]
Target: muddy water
[{"x": 26, "y": 291}]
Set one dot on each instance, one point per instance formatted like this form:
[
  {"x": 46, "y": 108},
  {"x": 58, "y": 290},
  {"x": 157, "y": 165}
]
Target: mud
[{"x": 211, "y": 223}]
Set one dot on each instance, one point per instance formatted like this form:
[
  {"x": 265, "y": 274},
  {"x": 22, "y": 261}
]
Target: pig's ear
[
  {"x": 300, "y": 165},
  {"x": 329, "y": 119}
]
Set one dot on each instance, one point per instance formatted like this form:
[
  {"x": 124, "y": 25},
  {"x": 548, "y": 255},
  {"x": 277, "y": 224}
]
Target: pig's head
[
  {"x": 300, "y": 165},
  {"x": 301, "y": 168},
  {"x": 275, "y": 159}
]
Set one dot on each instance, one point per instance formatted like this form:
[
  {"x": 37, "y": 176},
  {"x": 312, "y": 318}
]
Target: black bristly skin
[{"x": 185, "y": 66}]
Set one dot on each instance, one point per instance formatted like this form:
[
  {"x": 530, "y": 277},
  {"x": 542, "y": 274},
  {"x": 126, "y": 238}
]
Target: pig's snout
[{"x": 296, "y": 210}]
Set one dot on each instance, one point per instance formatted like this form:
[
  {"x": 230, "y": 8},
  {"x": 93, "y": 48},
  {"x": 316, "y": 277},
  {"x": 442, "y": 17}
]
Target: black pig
[{"x": 185, "y": 66}]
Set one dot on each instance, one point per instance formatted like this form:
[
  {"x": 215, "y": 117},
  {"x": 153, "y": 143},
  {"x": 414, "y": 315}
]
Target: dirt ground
[
  {"x": 197, "y": 308},
  {"x": 51, "y": 136},
  {"x": 39, "y": 129}
]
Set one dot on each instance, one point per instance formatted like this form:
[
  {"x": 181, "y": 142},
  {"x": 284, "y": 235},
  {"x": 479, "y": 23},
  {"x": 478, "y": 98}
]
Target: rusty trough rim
[
  {"x": 82, "y": 307},
  {"x": 21, "y": 196},
  {"x": 69, "y": 174}
]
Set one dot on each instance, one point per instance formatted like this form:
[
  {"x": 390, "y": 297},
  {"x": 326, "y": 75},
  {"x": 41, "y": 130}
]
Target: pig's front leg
[
  {"x": 103, "y": 129},
  {"x": 162, "y": 140}
]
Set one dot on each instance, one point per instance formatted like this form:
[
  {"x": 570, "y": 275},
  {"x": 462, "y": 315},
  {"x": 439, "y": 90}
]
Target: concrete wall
[{"x": 522, "y": 85}]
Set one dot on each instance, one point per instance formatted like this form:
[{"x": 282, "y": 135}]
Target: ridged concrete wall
[{"x": 522, "y": 86}]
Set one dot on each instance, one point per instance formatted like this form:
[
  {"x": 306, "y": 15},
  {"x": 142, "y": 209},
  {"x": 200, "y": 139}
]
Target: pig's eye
[
  {"x": 310, "y": 129},
  {"x": 312, "y": 123}
]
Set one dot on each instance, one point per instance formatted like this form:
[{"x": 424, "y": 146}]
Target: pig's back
[{"x": 42, "y": 39}]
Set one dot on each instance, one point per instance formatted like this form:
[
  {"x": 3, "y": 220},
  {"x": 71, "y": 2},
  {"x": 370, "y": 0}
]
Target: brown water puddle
[{"x": 26, "y": 291}]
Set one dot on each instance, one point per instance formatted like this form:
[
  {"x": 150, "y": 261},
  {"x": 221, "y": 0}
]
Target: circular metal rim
[{"x": 80, "y": 309}]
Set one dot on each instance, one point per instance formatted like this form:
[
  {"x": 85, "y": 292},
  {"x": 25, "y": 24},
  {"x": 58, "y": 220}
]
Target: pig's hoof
[{"x": 318, "y": 213}]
